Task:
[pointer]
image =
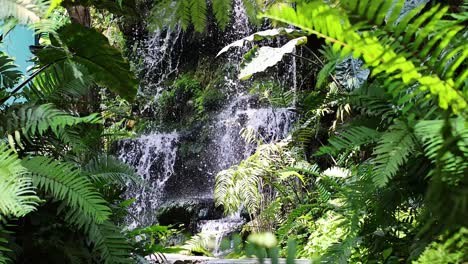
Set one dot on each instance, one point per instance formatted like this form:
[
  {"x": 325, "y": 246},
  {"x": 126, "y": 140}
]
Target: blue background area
[{"x": 16, "y": 45}]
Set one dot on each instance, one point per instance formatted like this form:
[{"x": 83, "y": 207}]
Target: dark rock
[{"x": 188, "y": 213}]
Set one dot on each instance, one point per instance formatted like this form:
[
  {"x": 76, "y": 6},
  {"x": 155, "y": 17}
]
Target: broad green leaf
[
  {"x": 9, "y": 73},
  {"x": 92, "y": 50},
  {"x": 261, "y": 35},
  {"x": 266, "y": 57}
]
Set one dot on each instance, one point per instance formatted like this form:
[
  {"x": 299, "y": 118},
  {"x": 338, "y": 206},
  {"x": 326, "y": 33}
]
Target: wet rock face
[
  {"x": 180, "y": 167},
  {"x": 180, "y": 160},
  {"x": 188, "y": 213}
]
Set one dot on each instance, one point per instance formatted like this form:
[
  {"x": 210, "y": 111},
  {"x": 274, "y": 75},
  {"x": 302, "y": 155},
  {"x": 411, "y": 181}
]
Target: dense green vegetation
[
  {"x": 392, "y": 177},
  {"x": 375, "y": 169}
]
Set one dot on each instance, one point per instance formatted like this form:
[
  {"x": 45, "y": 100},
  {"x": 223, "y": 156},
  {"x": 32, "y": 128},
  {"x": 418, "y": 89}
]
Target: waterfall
[
  {"x": 153, "y": 157},
  {"x": 180, "y": 167},
  {"x": 218, "y": 229},
  {"x": 267, "y": 124}
]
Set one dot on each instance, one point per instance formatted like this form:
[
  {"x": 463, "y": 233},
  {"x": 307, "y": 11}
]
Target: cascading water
[
  {"x": 218, "y": 229},
  {"x": 161, "y": 57},
  {"x": 153, "y": 156},
  {"x": 175, "y": 176},
  {"x": 267, "y": 124}
]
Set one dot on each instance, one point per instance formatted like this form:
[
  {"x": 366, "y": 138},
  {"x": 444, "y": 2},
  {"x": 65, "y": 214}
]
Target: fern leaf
[
  {"x": 349, "y": 138},
  {"x": 59, "y": 82},
  {"x": 392, "y": 151},
  {"x": 106, "y": 169},
  {"x": 5, "y": 250},
  {"x": 198, "y": 12},
  {"x": 331, "y": 24},
  {"x": 34, "y": 120},
  {"x": 65, "y": 182},
  {"x": 107, "y": 240},
  {"x": 110, "y": 243},
  {"x": 222, "y": 11},
  {"x": 17, "y": 195},
  {"x": 184, "y": 12},
  {"x": 252, "y": 8},
  {"x": 451, "y": 157}
]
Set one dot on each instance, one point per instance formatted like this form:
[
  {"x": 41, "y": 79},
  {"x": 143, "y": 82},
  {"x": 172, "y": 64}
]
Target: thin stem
[
  {"x": 21, "y": 85},
  {"x": 321, "y": 62}
]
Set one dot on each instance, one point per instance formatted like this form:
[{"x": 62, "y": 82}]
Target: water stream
[{"x": 157, "y": 156}]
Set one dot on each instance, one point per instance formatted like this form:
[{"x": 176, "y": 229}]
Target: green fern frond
[
  {"x": 332, "y": 59},
  {"x": 293, "y": 216},
  {"x": 106, "y": 169},
  {"x": 386, "y": 55},
  {"x": 199, "y": 243},
  {"x": 222, "y": 11},
  {"x": 59, "y": 82},
  {"x": 198, "y": 14},
  {"x": 5, "y": 250},
  {"x": 17, "y": 195},
  {"x": 35, "y": 120},
  {"x": 65, "y": 182},
  {"x": 110, "y": 243},
  {"x": 349, "y": 138},
  {"x": 252, "y": 8},
  {"x": 392, "y": 151},
  {"x": 448, "y": 151},
  {"x": 107, "y": 239}
]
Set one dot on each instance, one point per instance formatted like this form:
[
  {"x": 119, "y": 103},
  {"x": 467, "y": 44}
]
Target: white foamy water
[{"x": 153, "y": 156}]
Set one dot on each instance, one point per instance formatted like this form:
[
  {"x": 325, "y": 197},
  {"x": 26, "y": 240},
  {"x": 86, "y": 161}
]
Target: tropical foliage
[
  {"x": 396, "y": 152},
  {"x": 58, "y": 192},
  {"x": 169, "y": 13},
  {"x": 374, "y": 170}
]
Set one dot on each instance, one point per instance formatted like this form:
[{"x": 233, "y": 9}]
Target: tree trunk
[{"x": 80, "y": 15}]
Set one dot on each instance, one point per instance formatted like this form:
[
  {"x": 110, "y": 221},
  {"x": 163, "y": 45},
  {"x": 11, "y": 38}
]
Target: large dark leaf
[{"x": 92, "y": 50}]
